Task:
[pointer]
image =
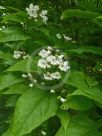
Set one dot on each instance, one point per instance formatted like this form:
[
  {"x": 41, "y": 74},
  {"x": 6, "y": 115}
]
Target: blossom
[
  {"x": 29, "y": 75},
  {"x": 43, "y": 133},
  {"x": 67, "y": 38},
  {"x": 64, "y": 66},
  {"x": 59, "y": 36},
  {"x": 48, "y": 76},
  {"x": 43, "y": 63},
  {"x": 60, "y": 59},
  {"x": 26, "y": 56},
  {"x": 43, "y": 15},
  {"x": 56, "y": 75},
  {"x": 35, "y": 81},
  {"x": 52, "y": 60},
  {"x": 50, "y": 48},
  {"x": 31, "y": 85},
  {"x": 44, "y": 53},
  {"x": 17, "y": 54},
  {"x": 24, "y": 75},
  {"x": 33, "y": 10},
  {"x": 52, "y": 91},
  {"x": 62, "y": 99}
]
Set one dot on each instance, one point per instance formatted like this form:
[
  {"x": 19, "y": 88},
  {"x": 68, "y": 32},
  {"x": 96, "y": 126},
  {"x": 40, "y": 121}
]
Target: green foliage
[{"x": 32, "y": 106}]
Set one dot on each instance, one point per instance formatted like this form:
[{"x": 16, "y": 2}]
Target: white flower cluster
[
  {"x": 34, "y": 12},
  {"x": 52, "y": 58},
  {"x": 20, "y": 54},
  {"x": 67, "y": 38}
]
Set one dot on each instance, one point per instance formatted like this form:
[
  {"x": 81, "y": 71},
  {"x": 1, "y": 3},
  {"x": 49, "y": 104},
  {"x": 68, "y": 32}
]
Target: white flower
[
  {"x": 31, "y": 85},
  {"x": 52, "y": 60},
  {"x": 43, "y": 13},
  {"x": 26, "y": 56},
  {"x": 56, "y": 75},
  {"x": 48, "y": 76},
  {"x": 3, "y": 27},
  {"x": 43, "y": 16},
  {"x": 50, "y": 48},
  {"x": 59, "y": 36},
  {"x": 52, "y": 91},
  {"x": 59, "y": 59},
  {"x": 64, "y": 66},
  {"x": 36, "y": 8},
  {"x": 29, "y": 74},
  {"x": 43, "y": 133},
  {"x": 33, "y": 10},
  {"x": 62, "y": 99},
  {"x": 67, "y": 38},
  {"x": 24, "y": 75},
  {"x": 43, "y": 64},
  {"x": 17, "y": 54},
  {"x": 43, "y": 53},
  {"x": 35, "y": 81}
]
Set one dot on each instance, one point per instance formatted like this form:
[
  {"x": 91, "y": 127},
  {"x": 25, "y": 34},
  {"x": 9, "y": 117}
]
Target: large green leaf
[
  {"x": 32, "y": 109},
  {"x": 17, "y": 89},
  {"x": 79, "y": 125},
  {"x": 8, "y": 80},
  {"x": 79, "y": 80},
  {"x": 12, "y": 34},
  {"x": 78, "y": 13},
  {"x": 26, "y": 65},
  {"x": 78, "y": 103}
]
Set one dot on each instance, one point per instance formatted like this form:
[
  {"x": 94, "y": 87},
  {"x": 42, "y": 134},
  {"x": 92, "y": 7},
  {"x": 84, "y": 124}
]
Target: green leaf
[
  {"x": 79, "y": 125},
  {"x": 77, "y": 103},
  {"x": 87, "y": 49},
  {"x": 17, "y": 17},
  {"x": 32, "y": 109},
  {"x": 17, "y": 89},
  {"x": 79, "y": 80},
  {"x": 78, "y": 13},
  {"x": 26, "y": 65},
  {"x": 12, "y": 34},
  {"x": 8, "y": 80},
  {"x": 65, "y": 119},
  {"x": 6, "y": 56},
  {"x": 11, "y": 102}
]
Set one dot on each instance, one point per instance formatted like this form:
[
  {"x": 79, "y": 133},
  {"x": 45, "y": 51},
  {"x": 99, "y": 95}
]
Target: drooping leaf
[
  {"x": 79, "y": 126},
  {"x": 79, "y": 80},
  {"x": 8, "y": 80},
  {"x": 26, "y": 65},
  {"x": 77, "y": 103},
  {"x": 78, "y": 13},
  {"x": 32, "y": 109},
  {"x": 17, "y": 89}
]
